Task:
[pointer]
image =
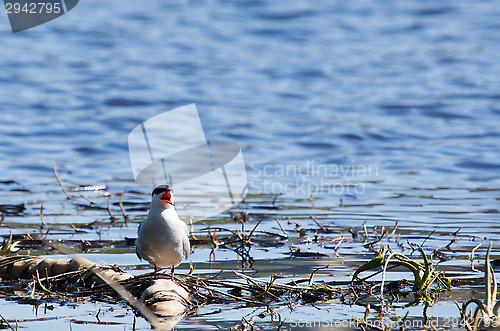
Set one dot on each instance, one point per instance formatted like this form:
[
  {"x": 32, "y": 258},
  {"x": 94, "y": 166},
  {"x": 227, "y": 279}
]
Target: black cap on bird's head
[
  {"x": 166, "y": 193},
  {"x": 160, "y": 189}
]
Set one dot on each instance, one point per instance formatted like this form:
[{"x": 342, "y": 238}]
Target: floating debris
[
  {"x": 486, "y": 313},
  {"x": 89, "y": 188},
  {"x": 424, "y": 273}
]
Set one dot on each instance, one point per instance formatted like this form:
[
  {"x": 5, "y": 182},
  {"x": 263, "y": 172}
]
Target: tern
[{"x": 163, "y": 238}]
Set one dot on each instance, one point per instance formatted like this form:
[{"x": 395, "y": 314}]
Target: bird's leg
[
  {"x": 172, "y": 273},
  {"x": 156, "y": 271}
]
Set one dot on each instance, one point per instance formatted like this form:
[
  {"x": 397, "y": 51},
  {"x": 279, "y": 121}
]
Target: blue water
[{"x": 408, "y": 88}]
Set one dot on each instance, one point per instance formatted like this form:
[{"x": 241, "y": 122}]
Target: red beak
[{"x": 167, "y": 197}]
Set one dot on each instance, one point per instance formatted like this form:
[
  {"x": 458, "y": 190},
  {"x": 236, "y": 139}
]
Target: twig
[
  {"x": 255, "y": 227},
  {"x": 54, "y": 167},
  {"x": 312, "y": 194},
  {"x": 215, "y": 242},
  {"x": 365, "y": 231},
  {"x": 455, "y": 234},
  {"x": 430, "y": 234},
  {"x": 472, "y": 256},
  {"x": 276, "y": 197},
  {"x": 191, "y": 227},
  {"x": 247, "y": 322},
  {"x": 318, "y": 223},
  {"x": 75, "y": 228},
  {"x": 281, "y": 286},
  {"x": 280, "y": 322},
  {"x": 33, "y": 289},
  {"x": 111, "y": 216},
  {"x": 315, "y": 270},
  {"x": 97, "y": 315},
  {"x": 92, "y": 203},
  {"x": 251, "y": 280},
  {"x": 279, "y": 224},
  {"x": 41, "y": 216},
  {"x": 125, "y": 216},
  {"x": 412, "y": 247},
  {"x": 384, "y": 233},
  {"x": 395, "y": 227},
  {"x": 268, "y": 287},
  {"x": 235, "y": 297},
  {"x": 403, "y": 321},
  {"x": 367, "y": 311},
  {"x": 37, "y": 278},
  {"x": 338, "y": 244},
  {"x": 383, "y": 275},
  {"x": 6, "y": 322},
  {"x": 377, "y": 272}
]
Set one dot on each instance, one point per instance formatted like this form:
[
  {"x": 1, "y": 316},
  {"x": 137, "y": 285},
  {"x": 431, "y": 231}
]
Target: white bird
[{"x": 163, "y": 238}]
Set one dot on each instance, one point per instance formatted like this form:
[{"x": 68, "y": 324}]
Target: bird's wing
[
  {"x": 136, "y": 250},
  {"x": 186, "y": 246},
  {"x": 137, "y": 253}
]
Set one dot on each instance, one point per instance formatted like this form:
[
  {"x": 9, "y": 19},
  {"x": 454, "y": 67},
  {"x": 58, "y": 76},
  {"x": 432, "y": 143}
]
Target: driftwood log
[
  {"x": 27, "y": 267},
  {"x": 161, "y": 297}
]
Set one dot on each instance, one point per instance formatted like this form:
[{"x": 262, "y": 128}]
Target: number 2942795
[{"x": 33, "y": 8}]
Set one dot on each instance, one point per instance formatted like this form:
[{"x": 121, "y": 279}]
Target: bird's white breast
[{"x": 163, "y": 238}]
